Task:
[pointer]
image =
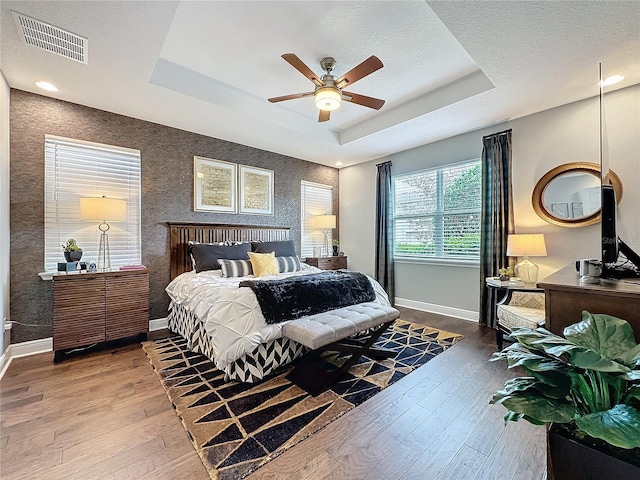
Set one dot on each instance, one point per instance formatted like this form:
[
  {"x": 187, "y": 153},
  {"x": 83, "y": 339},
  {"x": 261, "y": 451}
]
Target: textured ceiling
[{"x": 208, "y": 67}]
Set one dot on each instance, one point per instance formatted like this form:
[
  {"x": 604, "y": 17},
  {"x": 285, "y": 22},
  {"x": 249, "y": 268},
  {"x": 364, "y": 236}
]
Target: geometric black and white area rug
[{"x": 238, "y": 427}]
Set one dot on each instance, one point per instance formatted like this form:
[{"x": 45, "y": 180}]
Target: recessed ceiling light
[
  {"x": 612, "y": 80},
  {"x": 47, "y": 86},
  {"x": 338, "y": 164}
]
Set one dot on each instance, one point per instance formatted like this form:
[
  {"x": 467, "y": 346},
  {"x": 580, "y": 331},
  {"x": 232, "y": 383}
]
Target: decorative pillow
[
  {"x": 282, "y": 248},
  {"x": 264, "y": 264},
  {"x": 206, "y": 256},
  {"x": 191, "y": 243},
  {"x": 288, "y": 264},
  {"x": 235, "y": 268}
]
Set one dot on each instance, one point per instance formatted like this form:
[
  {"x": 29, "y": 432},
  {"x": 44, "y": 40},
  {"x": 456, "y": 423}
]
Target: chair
[{"x": 523, "y": 310}]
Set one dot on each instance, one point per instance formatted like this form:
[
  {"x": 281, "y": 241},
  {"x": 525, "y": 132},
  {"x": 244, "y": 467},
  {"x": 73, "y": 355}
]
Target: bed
[{"x": 224, "y": 322}]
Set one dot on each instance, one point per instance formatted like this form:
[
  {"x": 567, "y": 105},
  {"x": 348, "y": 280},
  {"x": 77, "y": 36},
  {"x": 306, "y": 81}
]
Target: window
[
  {"x": 76, "y": 169},
  {"x": 437, "y": 213},
  {"x": 316, "y": 199}
]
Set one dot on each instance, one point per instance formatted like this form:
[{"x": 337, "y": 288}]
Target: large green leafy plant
[{"x": 589, "y": 379}]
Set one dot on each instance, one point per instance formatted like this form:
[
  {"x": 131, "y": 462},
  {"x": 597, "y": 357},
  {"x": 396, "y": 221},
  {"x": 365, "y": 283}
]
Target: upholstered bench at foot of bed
[
  {"x": 335, "y": 331},
  {"x": 324, "y": 328}
]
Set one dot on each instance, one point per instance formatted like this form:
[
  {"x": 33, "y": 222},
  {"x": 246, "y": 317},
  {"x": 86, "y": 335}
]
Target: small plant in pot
[
  {"x": 336, "y": 245},
  {"x": 505, "y": 273},
  {"x": 586, "y": 387},
  {"x": 72, "y": 252}
]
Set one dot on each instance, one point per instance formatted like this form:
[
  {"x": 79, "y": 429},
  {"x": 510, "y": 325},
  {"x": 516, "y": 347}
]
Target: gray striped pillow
[
  {"x": 288, "y": 264},
  {"x": 235, "y": 268}
]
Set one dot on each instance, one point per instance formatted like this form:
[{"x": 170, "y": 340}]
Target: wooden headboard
[{"x": 181, "y": 233}]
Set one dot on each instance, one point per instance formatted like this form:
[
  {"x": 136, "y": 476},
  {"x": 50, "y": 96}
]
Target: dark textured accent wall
[{"x": 167, "y": 193}]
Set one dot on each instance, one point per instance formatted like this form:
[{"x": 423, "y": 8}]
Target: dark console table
[{"x": 566, "y": 298}]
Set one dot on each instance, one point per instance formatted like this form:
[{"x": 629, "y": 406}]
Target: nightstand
[
  {"x": 327, "y": 263},
  {"x": 95, "y": 307}
]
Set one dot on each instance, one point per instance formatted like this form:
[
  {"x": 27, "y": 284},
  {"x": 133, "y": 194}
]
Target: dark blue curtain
[
  {"x": 384, "y": 230},
  {"x": 497, "y": 217}
]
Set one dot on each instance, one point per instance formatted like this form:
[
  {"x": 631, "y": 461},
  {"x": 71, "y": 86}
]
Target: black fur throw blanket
[{"x": 297, "y": 297}]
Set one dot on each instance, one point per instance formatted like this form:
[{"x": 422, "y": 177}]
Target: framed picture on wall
[
  {"x": 214, "y": 185},
  {"x": 256, "y": 190}
]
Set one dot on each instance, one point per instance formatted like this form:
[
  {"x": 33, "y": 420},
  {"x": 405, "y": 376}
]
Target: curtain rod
[
  {"x": 384, "y": 163},
  {"x": 496, "y": 134}
]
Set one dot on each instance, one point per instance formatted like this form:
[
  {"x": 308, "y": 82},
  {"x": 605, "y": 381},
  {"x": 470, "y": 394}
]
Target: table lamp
[
  {"x": 526, "y": 245},
  {"x": 327, "y": 223},
  {"x": 103, "y": 209}
]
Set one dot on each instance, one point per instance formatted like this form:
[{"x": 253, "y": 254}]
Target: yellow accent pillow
[{"x": 264, "y": 264}]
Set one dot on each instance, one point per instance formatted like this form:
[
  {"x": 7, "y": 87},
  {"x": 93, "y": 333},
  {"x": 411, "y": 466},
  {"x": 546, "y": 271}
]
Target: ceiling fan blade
[
  {"x": 290, "y": 97},
  {"x": 299, "y": 65},
  {"x": 324, "y": 115},
  {"x": 363, "y": 100},
  {"x": 370, "y": 65}
]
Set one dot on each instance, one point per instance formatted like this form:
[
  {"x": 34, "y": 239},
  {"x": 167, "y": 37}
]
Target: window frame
[
  {"x": 307, "y": 230},
  {"x": 438, "y": 213},
  {"x": 108, "y": 170}
]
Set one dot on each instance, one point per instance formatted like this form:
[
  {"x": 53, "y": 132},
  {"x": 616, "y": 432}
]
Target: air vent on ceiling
[{"x": 51, "y": 38}]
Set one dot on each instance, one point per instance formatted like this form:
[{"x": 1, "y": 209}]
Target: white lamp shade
[
  {"x": 328, "y": 98},
  {"x": 326, "y": 222},
  {"x": 526, "y": 245},
  {"x": 103, "y": 209}
]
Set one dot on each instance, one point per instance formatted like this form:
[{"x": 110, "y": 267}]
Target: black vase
[
  {"x": 335, "y": 250},
  {"x": 73, "y": 256}
]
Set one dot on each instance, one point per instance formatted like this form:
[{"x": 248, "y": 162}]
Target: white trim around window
[{"x": 75, "y": 169}]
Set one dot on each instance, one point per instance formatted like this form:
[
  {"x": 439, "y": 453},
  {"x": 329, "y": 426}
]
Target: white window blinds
[
  {"x": 75, "y": 169},
  {"x": 317, "y": 199},
  {"x": 437, "y": 212}
]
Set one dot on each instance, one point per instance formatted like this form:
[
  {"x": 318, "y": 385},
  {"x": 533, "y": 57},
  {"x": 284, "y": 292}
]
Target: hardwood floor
[{"x": 104, "y": 415}]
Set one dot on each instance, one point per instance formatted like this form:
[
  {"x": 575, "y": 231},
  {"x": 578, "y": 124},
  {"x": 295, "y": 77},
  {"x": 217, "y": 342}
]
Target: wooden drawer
[
  {"x": 327, "y": 263},
  {"x": 127, "y": 305},
  {"x": 78, "y": 312}
]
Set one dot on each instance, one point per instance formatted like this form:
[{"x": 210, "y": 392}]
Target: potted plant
[
  {"x": 505, "y": 273},
  {"x": 72, "y": 252},
  {"x": 586, "y": 387},
  {"x": 336, "y": 244}
]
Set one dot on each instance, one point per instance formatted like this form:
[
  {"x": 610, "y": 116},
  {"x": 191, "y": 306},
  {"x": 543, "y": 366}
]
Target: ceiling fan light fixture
[{"x": 328, "y": 98}]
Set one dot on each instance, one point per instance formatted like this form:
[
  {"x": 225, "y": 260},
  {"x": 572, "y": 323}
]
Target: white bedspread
[{"x": 232, "y": 315}]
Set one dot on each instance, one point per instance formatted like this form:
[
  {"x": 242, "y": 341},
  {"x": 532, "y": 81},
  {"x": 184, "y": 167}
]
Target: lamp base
[
  {"x": 527, "y": 271},
  {"x": 325, "y": 244},
  {"x": 104, "y": 258}
]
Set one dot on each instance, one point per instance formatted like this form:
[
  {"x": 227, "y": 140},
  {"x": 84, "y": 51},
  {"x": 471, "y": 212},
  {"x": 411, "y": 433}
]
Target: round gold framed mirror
[{"x": 569, "y": 195}]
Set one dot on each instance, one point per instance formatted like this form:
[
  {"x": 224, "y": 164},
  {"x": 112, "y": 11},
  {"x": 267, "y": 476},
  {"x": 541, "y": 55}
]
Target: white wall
[
  {"x": 571, "y": 134},
  {"x": 4, "y": 207},
  {"x": 540, "y": 143}
]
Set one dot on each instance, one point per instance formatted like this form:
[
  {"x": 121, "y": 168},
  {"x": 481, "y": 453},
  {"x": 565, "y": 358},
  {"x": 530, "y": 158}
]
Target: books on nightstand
[
  {"x": 512, "y": 282},
  {"x": 133, "y": 267}
]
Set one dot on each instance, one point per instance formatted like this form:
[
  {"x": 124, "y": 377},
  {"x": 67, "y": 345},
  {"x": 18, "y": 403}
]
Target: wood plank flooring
[{"x": 104, "y": 415}]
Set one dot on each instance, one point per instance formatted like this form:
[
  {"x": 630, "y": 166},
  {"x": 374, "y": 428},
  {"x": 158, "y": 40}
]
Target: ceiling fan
[{"x": 329, "y": 92}]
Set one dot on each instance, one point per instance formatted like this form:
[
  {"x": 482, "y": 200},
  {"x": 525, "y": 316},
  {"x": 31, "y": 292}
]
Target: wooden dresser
[
  {"x": 566, "y": 298},
  {"x": 327, "y": 263},
  {"x": 95, "y": 307}
]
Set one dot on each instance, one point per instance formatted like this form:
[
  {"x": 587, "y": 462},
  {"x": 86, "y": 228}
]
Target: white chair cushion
[{"x": 512, "y": 316}]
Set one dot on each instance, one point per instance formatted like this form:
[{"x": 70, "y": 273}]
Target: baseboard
[
  {"x": 5, "y": 360},
  {"x": 44, "y": 345},
  {"x": 158, "y": 324},
  {"x": 468, "y": 315},
  {"x": 23, "y": 349}
]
